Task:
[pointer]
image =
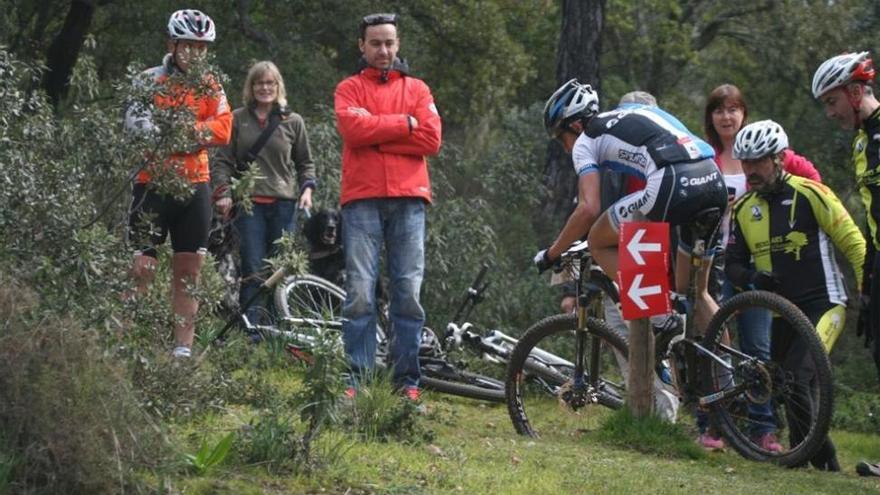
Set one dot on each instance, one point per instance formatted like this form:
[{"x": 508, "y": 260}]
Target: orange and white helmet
[{"x": 190, "y": 24}]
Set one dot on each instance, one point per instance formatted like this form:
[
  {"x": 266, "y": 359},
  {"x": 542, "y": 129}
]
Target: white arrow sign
[
  {"x": 636, "y": 247},
  {"x": 636, "y": 292}
]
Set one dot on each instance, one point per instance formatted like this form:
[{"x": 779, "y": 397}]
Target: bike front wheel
[
  {"x": 543, "y": 392},
  {"x": 754, "y": 389}
]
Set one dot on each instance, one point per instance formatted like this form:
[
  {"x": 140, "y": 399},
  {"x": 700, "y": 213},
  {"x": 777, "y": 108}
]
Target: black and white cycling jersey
[{"x": 636, "y": 140}]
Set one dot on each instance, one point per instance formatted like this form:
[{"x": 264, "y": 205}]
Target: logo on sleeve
[
  {"x": 432, "y": 107},
  {"x": 756, "y": 213}
]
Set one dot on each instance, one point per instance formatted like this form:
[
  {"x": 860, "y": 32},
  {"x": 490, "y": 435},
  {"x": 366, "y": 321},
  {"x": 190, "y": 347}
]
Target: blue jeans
[
  {"x": 400, "y": 224},
  {"x": 257, "y": 232},
  {"x": 754, "y": 339}
]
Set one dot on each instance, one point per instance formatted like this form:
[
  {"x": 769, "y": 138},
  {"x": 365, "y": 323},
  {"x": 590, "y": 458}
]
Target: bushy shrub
[{"x": 69, "y": 417}]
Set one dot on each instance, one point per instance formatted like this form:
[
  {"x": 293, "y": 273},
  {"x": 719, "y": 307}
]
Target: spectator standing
[
  {"x": 389, "y": 124},
  {"x": 154, "y": 215},
  {"x": 268, "y": 135}
]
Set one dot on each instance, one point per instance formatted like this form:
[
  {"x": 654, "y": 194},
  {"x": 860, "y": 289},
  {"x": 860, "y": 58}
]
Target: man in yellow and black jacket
[
  {"x": 843, "y": 85},
  {"x": 789, "y": 225}
]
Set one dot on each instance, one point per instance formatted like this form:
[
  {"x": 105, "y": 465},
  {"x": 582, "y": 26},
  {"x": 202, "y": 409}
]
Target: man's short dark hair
[{"x": 376, "y": 20}]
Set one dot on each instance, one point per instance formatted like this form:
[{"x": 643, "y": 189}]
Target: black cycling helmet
[{"x": 570, "y": 102}]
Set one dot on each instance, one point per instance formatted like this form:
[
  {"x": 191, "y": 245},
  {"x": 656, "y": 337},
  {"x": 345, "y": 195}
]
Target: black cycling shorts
[
  {"x": 153, "y": 216},
  {"x": 675, "y": 194}
]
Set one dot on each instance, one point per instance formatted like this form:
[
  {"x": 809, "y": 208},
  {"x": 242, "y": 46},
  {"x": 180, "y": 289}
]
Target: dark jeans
[
  {"x": 791, "y": 352},
  {"x": 257, "y": 232}
]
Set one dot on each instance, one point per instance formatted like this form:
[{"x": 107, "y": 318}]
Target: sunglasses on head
[{"x": 376, "y": 19}]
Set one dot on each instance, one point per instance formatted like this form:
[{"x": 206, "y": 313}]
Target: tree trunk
[
  {"x": 578, "y": 56},
  {"x": 64, "y": 50}
]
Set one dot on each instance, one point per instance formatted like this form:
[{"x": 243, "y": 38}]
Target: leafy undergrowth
[{"x": 472, "y": 448}]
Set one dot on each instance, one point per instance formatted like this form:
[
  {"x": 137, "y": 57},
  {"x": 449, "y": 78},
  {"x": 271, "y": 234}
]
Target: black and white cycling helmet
[
  {"x": 571, "y": 101},
  {"x": 840, "y": 70},
  {"x": 758, "y": 140},
  {"x": 190, "y": 24}
]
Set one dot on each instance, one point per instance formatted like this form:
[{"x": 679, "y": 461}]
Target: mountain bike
[
  {"x": 708, "y": 367},
  {"x": 572, "y": 357}
]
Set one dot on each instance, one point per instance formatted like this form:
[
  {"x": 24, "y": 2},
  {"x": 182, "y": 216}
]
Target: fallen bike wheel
[
  {"x": 441, "y": 376},
  {"x": 307, "y": 301},
  {"x": 543, "y": 392},
  {"x": 749, "y": 395}
]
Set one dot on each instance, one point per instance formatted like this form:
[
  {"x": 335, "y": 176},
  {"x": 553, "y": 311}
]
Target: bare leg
[
  {"x": 706, "y": 307},
  {"x": 185, "y": 272},
  {"x": 603, "y": 245}
]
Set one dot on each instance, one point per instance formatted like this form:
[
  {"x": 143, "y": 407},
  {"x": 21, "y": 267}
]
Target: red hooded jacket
[{"x": 381, "y": 156}]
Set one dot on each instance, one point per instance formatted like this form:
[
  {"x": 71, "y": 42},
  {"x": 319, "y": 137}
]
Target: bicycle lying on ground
[
  {"x": 708, "y": 367},
  {"x": 308, "y": 305}
]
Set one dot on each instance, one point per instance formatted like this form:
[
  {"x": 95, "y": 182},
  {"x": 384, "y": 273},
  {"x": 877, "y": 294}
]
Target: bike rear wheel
[
  {"x": 757, "y": 395},
  {"x": 541, "y": 389},
  {"x": 307, "y": 301}
]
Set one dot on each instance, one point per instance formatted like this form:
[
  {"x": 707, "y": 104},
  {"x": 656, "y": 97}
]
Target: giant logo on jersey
[
  {"x": 625, "y": 211},
  {"x": 698, "y": 181}
]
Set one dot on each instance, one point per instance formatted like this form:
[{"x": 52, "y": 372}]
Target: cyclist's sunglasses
[{"x": 376, "y": 19}]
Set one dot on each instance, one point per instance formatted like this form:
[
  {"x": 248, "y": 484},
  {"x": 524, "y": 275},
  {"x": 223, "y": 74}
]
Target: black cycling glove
[{"x": 762, "y": 280}]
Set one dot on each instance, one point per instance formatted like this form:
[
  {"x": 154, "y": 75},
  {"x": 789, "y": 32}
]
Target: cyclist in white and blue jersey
[{"x": 645, "y": 141}]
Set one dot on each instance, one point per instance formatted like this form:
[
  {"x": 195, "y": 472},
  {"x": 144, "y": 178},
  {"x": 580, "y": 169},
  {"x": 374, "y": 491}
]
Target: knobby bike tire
[
  {"x": 464, "y": 384},
  {"x": 725, "y": 415},
  {"x": 521, "y": 365}
]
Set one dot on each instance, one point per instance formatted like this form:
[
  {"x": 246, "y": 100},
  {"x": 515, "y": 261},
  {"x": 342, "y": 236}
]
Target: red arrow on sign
[
  {"x": 636, "y": 247},
  {"x": 643, "y": 251},
  {"x": 644, "y": 294},
  {"x": 637, "y": 292},
  {"x": 643, "y": 244}
]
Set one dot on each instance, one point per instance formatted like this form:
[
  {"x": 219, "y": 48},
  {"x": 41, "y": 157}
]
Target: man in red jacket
[{"x": 389, "y": 124}]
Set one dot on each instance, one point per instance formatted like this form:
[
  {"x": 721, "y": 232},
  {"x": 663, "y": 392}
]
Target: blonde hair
[{"x": 257, "y": 71}]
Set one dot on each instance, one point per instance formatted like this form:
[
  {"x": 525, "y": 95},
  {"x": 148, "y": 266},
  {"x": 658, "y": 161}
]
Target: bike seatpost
[{"x": 472, "y": 296}]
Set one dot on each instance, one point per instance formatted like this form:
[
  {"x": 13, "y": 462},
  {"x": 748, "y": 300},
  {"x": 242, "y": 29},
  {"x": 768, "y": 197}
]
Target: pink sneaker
[
  {"x": 710, "y": 442},
  {"x": 769, "y": 442}
]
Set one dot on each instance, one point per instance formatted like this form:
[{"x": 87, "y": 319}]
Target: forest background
[{"x": 501, "y": 190}]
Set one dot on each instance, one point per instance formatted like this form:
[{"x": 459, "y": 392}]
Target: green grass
[{"x": 473, "y": 449}]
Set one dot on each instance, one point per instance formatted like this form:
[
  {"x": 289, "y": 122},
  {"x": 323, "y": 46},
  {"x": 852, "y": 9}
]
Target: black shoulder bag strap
[{"x": 274, "y": 121}]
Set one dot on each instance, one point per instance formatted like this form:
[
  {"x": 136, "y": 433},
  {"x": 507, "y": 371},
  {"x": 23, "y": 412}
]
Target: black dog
[{"x": 323, "y": 230}]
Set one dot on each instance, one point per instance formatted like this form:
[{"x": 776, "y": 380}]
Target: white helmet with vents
[
  {"x": 840, "y": 70},
  {"x": 571, "y": 101},
  {"x": 758, "y": 140},
  {"x": 191, "y": 24}
]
